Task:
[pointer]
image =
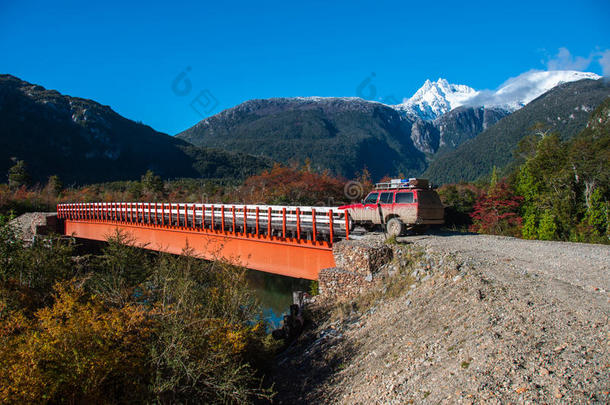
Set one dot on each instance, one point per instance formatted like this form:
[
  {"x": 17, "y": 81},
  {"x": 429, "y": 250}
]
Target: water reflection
[{"x": 275, "y": 293}]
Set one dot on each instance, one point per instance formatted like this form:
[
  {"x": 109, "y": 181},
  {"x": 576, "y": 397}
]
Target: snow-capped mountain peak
[{"x": 436, "y": 98}]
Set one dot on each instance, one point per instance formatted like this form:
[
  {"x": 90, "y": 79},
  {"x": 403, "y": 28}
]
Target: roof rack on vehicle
[{"x": 402, "y": 183}]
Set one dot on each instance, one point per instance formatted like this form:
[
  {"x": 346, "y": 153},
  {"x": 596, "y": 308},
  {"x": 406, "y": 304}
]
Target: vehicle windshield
[{"x": 371, "y": 198}]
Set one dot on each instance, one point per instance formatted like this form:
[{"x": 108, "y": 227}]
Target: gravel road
[
  {"x": 488, "y": 320},
  {"x": 580, "y": 264}
]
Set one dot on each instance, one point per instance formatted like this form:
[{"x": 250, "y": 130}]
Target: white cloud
[
  {"x": 564, "y": 60},
  {"x": 563, "y": 67},
  {"x": 604, "y": 61},
  {"x": 515, "y": 88},
  {"x": 522, "y": 89}
]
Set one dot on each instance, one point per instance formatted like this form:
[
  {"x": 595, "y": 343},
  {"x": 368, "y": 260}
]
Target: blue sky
[{"x": 170, "y": 64}]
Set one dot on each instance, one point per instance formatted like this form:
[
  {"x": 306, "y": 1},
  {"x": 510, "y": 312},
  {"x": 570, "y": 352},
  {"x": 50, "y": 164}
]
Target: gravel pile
[{"x": 488, "y": 319}]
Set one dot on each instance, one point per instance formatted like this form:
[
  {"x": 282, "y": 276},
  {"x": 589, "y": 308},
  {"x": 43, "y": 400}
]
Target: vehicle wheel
[{"x": 395, "y": 227}]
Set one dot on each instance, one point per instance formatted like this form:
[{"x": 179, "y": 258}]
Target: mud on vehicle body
[{"x": 399, "y": 205}]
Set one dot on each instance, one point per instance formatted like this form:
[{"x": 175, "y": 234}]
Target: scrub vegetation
[{"x": 125, "y": 325}]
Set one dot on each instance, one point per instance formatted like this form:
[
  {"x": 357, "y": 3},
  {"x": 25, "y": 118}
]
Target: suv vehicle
[{"x": 400, "y": 205}]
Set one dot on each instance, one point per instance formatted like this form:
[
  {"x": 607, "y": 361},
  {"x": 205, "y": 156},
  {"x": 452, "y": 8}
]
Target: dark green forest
[
  {"x": 339, "y": 136},
  {"x": 560, "y": 191}
]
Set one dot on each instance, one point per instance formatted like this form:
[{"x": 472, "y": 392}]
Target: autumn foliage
[
  {"x": 496, "y": 211},
  {"x": 125, "y": 326},
  {"x": 76, "y": 350},
  {"x": 278, "y": 185},
  {"x": 285, "y": 185}
]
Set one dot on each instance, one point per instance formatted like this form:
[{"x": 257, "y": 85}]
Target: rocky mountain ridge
[
  {"x": 346, "y": 134},
  {"x": 341, "y": 134}
]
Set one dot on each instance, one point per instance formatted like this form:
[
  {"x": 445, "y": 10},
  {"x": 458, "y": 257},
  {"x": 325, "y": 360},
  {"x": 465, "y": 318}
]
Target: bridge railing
[{"x": 292, "y": 222}]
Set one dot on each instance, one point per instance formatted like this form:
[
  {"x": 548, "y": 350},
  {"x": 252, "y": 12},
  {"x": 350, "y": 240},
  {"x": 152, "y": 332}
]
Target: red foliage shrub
[
  {"x": 495, "y": 212},
  {"x": 284, "y": 185}
]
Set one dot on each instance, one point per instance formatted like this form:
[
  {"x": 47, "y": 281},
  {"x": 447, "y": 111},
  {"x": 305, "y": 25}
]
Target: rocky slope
[
  {"x": 434, "y": 99},
  {"x": 478, "y": 319},
  {"x": 453, "y": 128},
  {"x": 83, "y": 141}
]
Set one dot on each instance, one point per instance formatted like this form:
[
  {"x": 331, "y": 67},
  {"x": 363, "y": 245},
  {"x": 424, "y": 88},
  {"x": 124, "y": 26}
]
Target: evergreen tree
[
  {"x": 546, "y": 186},
  {"x": 547, "y": 227},
  {"x": 54, "y": 185},
  {"x": 596, "y": 215},
  {"x": 18, "y": 175},
  {"x": 566, "y": 185},
  {"x": 494, "y": 178},
  {"x": 151, "y": 183}
]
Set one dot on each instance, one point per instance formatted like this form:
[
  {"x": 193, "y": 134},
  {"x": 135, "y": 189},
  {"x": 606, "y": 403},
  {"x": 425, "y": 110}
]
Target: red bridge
[{"x": 291, "y": 241}]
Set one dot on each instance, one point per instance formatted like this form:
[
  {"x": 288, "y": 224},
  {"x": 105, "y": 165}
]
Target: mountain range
[
  {"x": 341, "y": 134},
  {"x": 83, "y": 141},
  {"x": 449, "y": 132},
  {"x": 565, "y": 109},
  {"x": 347, "y": 134}
]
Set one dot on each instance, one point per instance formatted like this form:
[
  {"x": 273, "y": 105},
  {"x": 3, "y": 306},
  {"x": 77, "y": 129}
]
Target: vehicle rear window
[
  {"x": 371, "y": 198},
  {"x": 386, "y": 198},
  {"x": 404, "y": 198},
  {"x": 428, "y": 198}
]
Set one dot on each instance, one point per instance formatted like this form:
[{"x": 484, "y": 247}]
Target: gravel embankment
[{"x": 516, "y": 321}]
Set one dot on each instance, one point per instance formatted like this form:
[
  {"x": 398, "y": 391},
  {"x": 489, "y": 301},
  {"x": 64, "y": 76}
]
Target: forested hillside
[
  {"x": 564, "y": 110},
  {"x": 342, "y": 135},
  {"x": 560, "y": 191},
  {"x": 85, "y": 142}
]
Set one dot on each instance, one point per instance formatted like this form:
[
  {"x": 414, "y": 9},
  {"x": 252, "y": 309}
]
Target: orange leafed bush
[{"x": 284, "y": 185}]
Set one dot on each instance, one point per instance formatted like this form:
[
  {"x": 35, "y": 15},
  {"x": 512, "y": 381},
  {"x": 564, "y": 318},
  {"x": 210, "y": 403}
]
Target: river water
[{"x": 275, "y": 293}]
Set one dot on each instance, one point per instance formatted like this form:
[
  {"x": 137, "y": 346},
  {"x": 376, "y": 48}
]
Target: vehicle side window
[
  {"x": 429, "y": 198},
  {"x": 371, "y": 198},
  {"x": 404, "y": 198},
  {"x": 386, "y": 198}
]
